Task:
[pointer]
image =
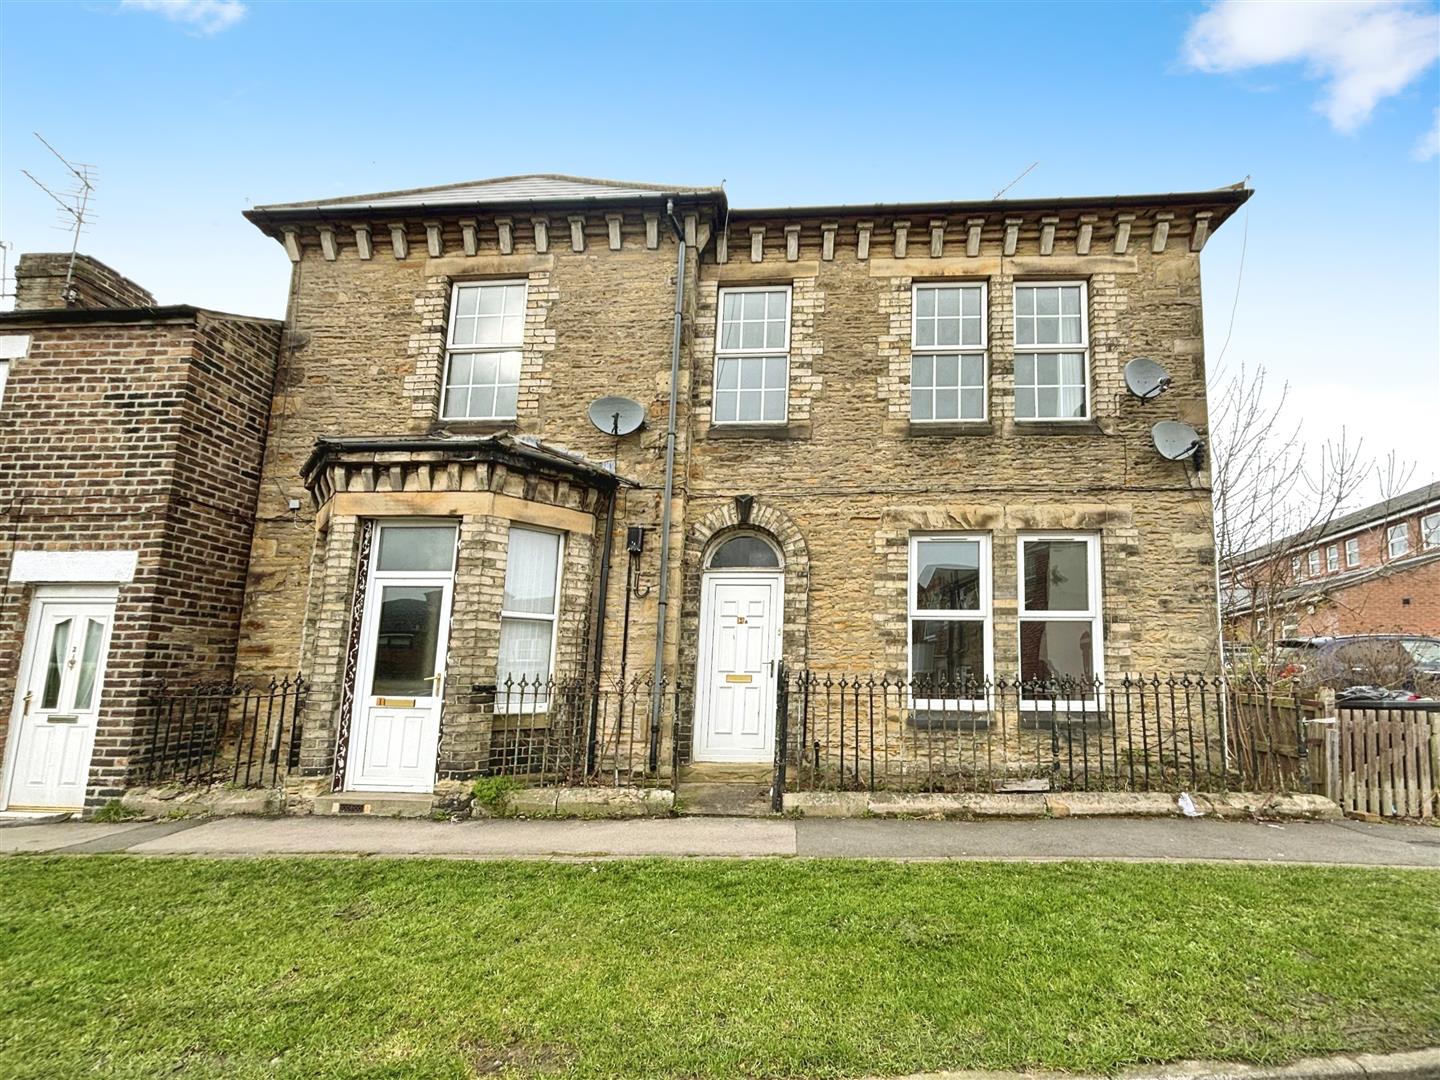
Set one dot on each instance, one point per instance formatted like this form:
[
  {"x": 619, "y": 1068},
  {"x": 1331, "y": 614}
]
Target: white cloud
[
  {"x": 201, "y": 16},
  {"x": 1363, "y": 52},
  {"x": 1428, "y": 145}
]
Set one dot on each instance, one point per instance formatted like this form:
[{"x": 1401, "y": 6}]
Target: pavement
[{"x": 1340, "y": 843}]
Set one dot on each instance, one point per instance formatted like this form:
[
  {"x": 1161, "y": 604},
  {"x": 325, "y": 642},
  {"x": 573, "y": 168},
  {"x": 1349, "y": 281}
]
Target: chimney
[{"x": 40, "y": 284}]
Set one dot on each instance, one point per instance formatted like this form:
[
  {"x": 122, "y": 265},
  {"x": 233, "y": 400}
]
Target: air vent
[{"x": 350, "y": 808}]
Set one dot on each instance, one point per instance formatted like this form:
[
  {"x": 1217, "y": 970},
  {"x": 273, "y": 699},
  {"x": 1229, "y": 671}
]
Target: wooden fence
[
  {"x": 1384, "y": 760},
  {"x": 1379, "y": 759}
]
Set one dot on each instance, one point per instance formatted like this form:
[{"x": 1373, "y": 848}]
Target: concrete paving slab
[
  {"x": 1348, "y": 843},
  {"x": 495, "y": 839},
  {"x": 52, "y": 836},
  {"x": 1337, "y": 843}
]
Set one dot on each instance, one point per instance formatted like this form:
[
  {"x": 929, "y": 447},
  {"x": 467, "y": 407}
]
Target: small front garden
[{"x": 124, "y": 967}]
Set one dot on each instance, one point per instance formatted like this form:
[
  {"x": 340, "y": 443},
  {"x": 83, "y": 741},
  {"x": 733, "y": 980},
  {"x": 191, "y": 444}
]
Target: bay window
[{"x": 527, "y": 618}]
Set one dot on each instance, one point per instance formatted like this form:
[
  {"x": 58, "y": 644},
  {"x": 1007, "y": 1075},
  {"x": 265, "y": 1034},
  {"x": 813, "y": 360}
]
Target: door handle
[
  {"x": 435, "y": 681},
  {"x": 29, "y": 694}
]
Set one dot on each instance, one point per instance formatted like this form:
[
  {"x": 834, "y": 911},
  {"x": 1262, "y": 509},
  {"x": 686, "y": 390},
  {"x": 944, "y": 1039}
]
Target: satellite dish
[
  {"x": 1145, "y": 378},
  {"x": 616, "y": 415},
  {"x": 1175, "y": 441}
]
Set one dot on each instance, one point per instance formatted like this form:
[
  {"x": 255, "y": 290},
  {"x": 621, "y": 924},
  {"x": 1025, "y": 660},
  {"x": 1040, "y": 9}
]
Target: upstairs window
[
  {"x": 1430, "y": 531},
  {"x": 752, "y": 356},
  {"x": 1313, "y": 562},
  {"x": 1295, "y": 571},
  {"x": 947, "y": 361},
  {"x": 1397, "y": 539},
  {"x": 1332, "y": 559},
  {"x": 1052, "y": 352},
  {"x": 1352, "y": 552},
  {"x": 482, "y": 368}
]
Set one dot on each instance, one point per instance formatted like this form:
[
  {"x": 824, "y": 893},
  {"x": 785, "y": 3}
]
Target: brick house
[
  {"x": 130, "y": 447},
  {"x": 898, "y": 441},
  {"x": 1373, "y": 571}
]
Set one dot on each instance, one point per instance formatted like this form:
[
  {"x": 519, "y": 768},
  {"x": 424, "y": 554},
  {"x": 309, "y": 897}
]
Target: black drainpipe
[
  {"x": 599, "y": 649},
  {"x": 662, "y": 599}
]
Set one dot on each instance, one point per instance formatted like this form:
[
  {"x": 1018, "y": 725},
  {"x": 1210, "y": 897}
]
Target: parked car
[{"x": 1397, "y": 661}]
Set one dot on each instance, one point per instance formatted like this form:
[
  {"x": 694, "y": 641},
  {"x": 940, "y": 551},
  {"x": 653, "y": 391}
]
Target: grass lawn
[{"x": 123, "y": 967}]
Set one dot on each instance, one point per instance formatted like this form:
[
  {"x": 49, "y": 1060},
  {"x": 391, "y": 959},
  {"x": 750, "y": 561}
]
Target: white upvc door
[
  {"x": 400, "y": 676},
  {"x": 740, "y": 625},
  {"x": 57, "y": 706}
]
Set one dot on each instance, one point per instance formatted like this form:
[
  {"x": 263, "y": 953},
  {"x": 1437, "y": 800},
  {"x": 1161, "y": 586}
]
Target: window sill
[
  {"x": 780, "y": 432},
  {"x": 475, "y": 427},
  {"x": 1057, "y": 427},
  {"x": 948, "y": 429}
]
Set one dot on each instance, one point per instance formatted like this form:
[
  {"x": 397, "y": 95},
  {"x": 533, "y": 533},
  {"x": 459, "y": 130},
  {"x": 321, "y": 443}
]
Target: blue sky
[{"x": 194, "y": 110}]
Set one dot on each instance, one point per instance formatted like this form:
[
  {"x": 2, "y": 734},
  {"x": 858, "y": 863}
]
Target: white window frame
[
  {"x": 1397, "y": 532},
  {"x": 1095, "y": 615},
  {"x": 452, "y": 350},
  {"x": 742, "y": 354},
  {"x": 1312, "y": 563},
  {"x": 12, "y": 347},
  {"x": 1297, "y": 568},
  {"x": 536, "y": 703},
  {"x": 983, "y": 614},
  {"x": 982, "y": 349},
  {"x": 1430, "y": 531},
  {"x": 1082, "y": 347},
  {"x": 1332, "y": 558},
  {"x": 1352, "y": 552}
]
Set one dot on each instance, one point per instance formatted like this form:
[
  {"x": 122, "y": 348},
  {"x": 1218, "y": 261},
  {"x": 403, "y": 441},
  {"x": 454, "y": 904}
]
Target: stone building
[
  {"x": 901, "y": 438},
  {"x": 130, "y": 447}
]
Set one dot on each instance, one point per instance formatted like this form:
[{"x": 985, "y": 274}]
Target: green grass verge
[{"x": 122, "y": 967}]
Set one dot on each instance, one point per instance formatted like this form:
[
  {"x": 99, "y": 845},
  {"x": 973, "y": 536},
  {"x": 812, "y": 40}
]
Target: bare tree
[{"x": 1275, "y": 495}]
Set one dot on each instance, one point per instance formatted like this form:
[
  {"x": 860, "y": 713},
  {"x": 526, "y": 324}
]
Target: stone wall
[{"x": 141, "y": 436}]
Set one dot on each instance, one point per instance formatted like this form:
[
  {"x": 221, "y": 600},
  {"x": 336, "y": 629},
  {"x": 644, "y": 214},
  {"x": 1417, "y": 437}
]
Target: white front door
[
  {"x": 57, "y": 708},
  {"x": 400, "y": 677},
  {"x": 735, "y": 676}
]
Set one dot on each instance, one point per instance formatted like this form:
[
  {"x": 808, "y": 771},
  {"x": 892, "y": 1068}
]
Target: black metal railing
[
  {"x": 244, "y": 734},
  {"x": 581, "y": 731},
  {"x": 872, "y": 732}
]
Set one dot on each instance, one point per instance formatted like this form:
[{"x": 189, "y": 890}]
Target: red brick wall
[
  {"x": 1404, "y": 599},
  {"x": 144, "y": 436}
]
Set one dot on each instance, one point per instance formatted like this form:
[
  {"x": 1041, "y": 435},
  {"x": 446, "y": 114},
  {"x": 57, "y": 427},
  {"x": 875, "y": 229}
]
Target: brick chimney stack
[{"x": 40, "y": 284}]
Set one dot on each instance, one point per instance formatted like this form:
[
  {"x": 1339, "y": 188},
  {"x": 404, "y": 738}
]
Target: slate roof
[
  {"x": 502, "y": 190},
  {"x": 1375, "y": 513}
]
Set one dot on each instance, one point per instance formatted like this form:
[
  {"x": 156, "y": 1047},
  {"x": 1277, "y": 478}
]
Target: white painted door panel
[
  {"x": 736, "y": 671},
  {"x": 58, "y": 706}
]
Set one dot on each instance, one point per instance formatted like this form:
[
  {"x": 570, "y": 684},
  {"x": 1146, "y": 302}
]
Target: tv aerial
[
  {"x": 616, "y": 415},
  {"x": 1146, "y": 379},
  {"x": 1176, "y": 442},
  {"x": 74, "y": 204}
]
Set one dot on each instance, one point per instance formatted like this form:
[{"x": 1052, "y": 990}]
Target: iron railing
[
  {"x": 572, "y": 732},
  {"x": 244, "y": 734},
  {"x": 872, "y": 732}
]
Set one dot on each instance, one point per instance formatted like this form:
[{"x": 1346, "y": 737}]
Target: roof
[
  {"x": 556, "y": 190},
  {"x": 531, "y": 190},
  {"x": 501, "y": 444},
  {"x": 1375, "y": 513},
  {"x": 36, "y": 317}
]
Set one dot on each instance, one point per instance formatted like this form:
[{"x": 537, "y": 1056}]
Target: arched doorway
[{"x": 742, "y": 603}]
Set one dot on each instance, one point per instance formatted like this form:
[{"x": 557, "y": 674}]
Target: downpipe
[{"x": 662, "y": 598}]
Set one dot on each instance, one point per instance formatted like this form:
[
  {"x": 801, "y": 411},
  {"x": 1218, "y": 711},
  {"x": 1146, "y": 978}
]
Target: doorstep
[{"x": 393, "y": 804}]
